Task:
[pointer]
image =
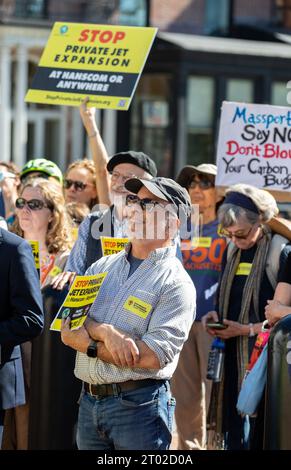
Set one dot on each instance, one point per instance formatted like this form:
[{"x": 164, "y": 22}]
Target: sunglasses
[
  {"x": 145, "y": 204},
  {"x": 78, "y": 185},
  {"x": 6, "y": 174},
  {"x": 203, "y": 184},
  {"x": 242, "y": 236},
  {"x": 32, "y": 204}
]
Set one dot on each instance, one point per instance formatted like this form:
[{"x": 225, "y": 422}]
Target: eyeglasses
[
  {"x": 145, "y": 204},
  {"x": 32, "y": 204},
  {"x": 242, "y": 236},
  {"x": 115, "y": 175},
  {"x": 78, "y": 185},
  {"x": 203, "y": 184}
]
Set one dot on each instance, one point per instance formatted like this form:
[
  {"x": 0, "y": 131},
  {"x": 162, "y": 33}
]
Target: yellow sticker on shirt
[
  {"x": 201, "y": 242},
  {"x": 244, "y": 269},
  {"x": 137, "y": 306},
  {"x": 54, "y": 271}
]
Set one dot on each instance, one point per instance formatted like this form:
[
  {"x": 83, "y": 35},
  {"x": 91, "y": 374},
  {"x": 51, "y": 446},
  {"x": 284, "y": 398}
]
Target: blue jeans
[{"x": 139, "y": 419}]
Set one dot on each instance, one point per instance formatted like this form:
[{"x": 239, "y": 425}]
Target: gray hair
[{"x": 229, "y": 214}]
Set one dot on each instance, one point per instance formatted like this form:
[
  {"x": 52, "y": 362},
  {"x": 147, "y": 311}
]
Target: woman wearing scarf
[{"x": 245, "y": 286}]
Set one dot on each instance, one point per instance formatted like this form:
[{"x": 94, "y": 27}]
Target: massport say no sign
[{"x": 254, "y": 146}]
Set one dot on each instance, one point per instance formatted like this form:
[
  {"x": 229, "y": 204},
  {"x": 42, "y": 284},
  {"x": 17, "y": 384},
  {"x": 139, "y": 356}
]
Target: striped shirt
[{"x": 156, "y": 304}]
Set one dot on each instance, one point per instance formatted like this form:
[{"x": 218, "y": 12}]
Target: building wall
[
  {"x": 185, "y": 16},
  {"x": 250, "y": 12},
  {"x": 28, "y": 130}
]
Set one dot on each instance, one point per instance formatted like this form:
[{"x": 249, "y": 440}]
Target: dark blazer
[{"x": 21, "y": 314}]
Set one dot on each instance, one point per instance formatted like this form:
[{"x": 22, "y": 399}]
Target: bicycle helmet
[{"x": 42, "y": 165}]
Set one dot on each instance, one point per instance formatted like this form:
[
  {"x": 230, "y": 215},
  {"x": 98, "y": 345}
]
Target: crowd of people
[{"x": 143, "y": 350}]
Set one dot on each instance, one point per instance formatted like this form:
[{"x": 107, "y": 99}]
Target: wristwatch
[
  {"x": 252, "y": 331},
  {"x": 92, "y": 349}
]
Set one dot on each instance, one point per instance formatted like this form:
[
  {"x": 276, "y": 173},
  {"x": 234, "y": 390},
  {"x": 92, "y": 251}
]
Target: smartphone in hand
[{"x": 216, "y": 326}]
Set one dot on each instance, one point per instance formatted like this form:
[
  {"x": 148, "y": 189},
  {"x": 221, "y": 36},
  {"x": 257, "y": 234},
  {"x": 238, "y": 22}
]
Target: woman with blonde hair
[
  {"x": 247, "y": 282},
  {"x": 41, "y": 216}
]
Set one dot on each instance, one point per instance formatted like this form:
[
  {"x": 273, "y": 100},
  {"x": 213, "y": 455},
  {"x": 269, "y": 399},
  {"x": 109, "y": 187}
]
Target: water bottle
[{"x": 215, "y": 360}]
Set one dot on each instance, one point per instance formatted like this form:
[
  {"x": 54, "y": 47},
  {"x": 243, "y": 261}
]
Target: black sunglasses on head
[
  {"x": 33, "y": 204},
  {"x": 78, "y": 185}
]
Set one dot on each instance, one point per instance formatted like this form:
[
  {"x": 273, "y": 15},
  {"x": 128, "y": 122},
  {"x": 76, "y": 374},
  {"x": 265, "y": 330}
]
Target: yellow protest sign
[
  {"x": 78, "y": 301},
  {"x": 100, "y": 61},
  {"x": 74, "y": 232},
  {"x": 111, "y": 245},
  {"x": 35, "y": 251}
]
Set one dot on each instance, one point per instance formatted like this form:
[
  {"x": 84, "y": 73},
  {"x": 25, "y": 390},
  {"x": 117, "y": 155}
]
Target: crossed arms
[{"x": 115, "y": 346}]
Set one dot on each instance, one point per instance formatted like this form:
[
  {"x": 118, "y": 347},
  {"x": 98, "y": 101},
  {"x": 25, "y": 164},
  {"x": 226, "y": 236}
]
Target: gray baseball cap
[{"x": 164, "y": 188}]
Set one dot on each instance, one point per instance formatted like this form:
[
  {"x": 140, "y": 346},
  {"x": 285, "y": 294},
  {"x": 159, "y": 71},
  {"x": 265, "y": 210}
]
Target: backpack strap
[
  {"x": 94, "y": 249},
  {"x": 277, "y": 244}
]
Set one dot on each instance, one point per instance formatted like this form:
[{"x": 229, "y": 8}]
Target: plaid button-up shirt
[{"x": 156, "y": 304}]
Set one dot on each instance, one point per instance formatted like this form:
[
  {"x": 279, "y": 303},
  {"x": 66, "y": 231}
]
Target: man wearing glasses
[
  {"x": 202, "y": 260},
  {"x": 130, "y": 344},
  {"x": 111, "y": 222}
]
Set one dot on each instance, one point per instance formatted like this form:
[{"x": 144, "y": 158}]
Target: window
[
  {"x": 30, "y": 8},
  {"x": 241, "y": 90},
  {"x": 199, "y": 118},
  {"x": 216, "y": 16},
  {"x": 151, "y": 120},
  {"x": 279, "y": 93},
  {"x": 133, "y": 12}
]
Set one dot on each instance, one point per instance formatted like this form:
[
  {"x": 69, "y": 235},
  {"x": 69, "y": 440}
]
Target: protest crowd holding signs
[
  {"x": 105, "y": 62},
  {"x": 254, "y": 146}
]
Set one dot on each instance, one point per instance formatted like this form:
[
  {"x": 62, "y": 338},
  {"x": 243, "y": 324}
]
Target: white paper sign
[{"x": 254, "y": 146}]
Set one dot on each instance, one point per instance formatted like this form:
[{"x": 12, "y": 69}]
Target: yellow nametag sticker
[
  {"x": 244, "y": 269},
  {"x": 54, "y": 271},
  {"x": 201, "y": 242},
  {"x": 137, "y": 306}
]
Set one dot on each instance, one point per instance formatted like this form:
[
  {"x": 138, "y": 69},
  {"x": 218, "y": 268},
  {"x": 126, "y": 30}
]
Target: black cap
[
  {"x": 164, "y": 188},
  {"x": 139, "y": 159}
]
